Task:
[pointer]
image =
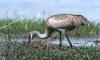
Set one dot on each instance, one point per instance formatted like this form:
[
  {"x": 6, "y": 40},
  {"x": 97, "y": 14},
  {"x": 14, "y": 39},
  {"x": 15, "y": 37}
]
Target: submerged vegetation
[
  {"x": 26, "y": 25},
  {"x": 17, "y": 51}
]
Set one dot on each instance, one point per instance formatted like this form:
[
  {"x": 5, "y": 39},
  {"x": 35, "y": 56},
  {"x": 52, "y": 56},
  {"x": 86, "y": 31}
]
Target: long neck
[{"x": 46, "y": 34}]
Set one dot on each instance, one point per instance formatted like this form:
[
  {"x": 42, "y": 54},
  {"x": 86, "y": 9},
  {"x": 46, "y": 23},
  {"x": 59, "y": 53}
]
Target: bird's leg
[
  {"x": 69, "y": 40},
  {"x": 60, "y": 44}
]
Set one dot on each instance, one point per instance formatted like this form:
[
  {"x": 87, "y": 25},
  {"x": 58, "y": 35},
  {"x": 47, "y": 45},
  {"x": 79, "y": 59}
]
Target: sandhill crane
[{"x": 60, "y": 23}]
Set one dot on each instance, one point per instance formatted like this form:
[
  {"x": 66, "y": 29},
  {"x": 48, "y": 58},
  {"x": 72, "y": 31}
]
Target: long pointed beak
[
  {"x": 30, "y": 36},
  {"x": 29, "y": 39}
]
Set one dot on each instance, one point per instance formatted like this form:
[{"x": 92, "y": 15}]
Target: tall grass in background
[
  {"x": 26, "y": 25},
  {"x": 93, "y": 29},
  {"x": 21, "y": 26}
]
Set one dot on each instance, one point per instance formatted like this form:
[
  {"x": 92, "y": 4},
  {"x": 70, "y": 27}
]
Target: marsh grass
[
  {"x": 41, "y": 50},
  {"x": 26, "y": 25},
  {"x": 21, "y": 26},
  {"x": 17, "y": 51}
]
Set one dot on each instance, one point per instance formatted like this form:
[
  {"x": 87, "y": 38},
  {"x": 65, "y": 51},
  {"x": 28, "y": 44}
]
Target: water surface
[
  {"x": 79, "y": 41},
  {"x": 76, "y": 41}
]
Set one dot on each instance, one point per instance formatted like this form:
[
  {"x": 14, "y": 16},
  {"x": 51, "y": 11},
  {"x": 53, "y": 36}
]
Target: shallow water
[
  {"x": 79, "y": 41},
  {"x": 76, "y": 41},
  {"x": 91, "y": 41}
]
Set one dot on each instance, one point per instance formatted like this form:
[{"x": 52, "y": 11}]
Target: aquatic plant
[{"x": 18, "y": 51}]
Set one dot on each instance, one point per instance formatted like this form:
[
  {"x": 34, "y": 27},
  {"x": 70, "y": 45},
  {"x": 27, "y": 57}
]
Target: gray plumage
[{"x": 60, "y": 23}]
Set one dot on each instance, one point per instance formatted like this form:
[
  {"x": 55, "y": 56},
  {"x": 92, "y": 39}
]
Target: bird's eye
[{"x": 34, "y": 36}]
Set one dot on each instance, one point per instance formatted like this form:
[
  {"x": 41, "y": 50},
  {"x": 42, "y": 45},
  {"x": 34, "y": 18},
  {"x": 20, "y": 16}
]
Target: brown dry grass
[{"x": 40, "y": 44}]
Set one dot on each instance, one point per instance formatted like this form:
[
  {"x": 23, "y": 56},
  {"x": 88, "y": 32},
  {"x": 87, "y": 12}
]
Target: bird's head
[{"x": 32, "y": 35}]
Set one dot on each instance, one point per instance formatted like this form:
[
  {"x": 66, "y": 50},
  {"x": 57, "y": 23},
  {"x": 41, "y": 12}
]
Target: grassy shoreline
[{"x": 16, "y": 51}]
